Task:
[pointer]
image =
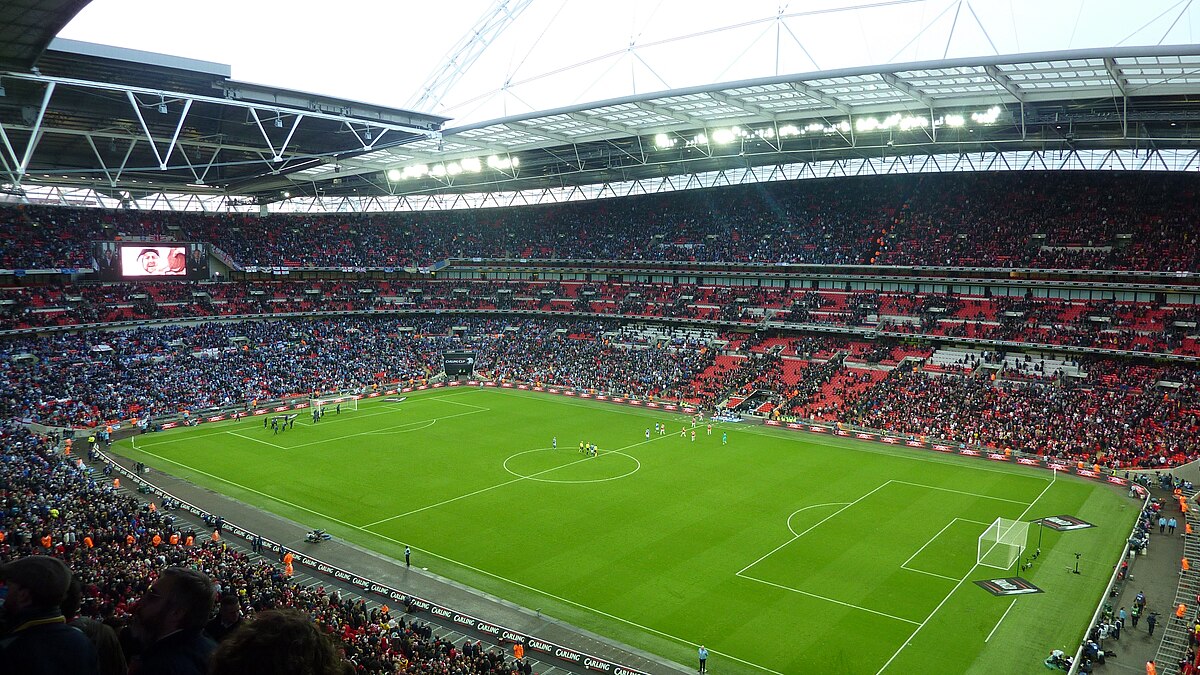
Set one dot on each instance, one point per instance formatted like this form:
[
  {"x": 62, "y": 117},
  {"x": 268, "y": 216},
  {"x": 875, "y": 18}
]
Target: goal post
[
  {"x": 332, "y": 403},
  {"x": 1002, "y": 543}
]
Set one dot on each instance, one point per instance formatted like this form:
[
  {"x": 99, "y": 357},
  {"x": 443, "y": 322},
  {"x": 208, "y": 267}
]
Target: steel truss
[
  {"x": 1167, "y": 160},
  {"x": 21, "y": 140}
]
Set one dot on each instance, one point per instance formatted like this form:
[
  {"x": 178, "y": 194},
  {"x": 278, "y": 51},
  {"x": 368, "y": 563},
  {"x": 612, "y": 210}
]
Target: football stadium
[{"x": 842, "y": 338}]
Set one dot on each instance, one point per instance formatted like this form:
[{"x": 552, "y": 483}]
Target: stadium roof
[
  {"x": 28, "y": 26},
  {"x": 93, "y": 123}
]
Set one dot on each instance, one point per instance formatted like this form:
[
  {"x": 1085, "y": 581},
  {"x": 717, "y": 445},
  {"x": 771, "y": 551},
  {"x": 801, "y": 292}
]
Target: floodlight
[
  {"x": 722, "y": 136},
  {"x": 954, "y": 120},
  {"x": 700, "y": 139},
  {"x": 662, "y": 141},
  {"x": 988, "y": 117},
  {"x": 438, "y": 170},
  {"x": 866, "y": 124},
  {"x": 453, "y": 168},
  {"x": 394, "y": 175},
  {"x": 502, "y": 163},
  {"x": 471, "y": 164},
  {"x": 788, "y": 130},
  {"x": 515, "y": 161},
  {"x": 286, "y": 194}
]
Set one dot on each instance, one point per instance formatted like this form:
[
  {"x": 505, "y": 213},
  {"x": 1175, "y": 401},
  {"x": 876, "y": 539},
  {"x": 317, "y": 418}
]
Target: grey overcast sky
[{"x": 561, "y": 52}]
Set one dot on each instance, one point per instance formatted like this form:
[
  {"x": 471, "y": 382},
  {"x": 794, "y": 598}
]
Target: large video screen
[{"x": 151, "y": 260}]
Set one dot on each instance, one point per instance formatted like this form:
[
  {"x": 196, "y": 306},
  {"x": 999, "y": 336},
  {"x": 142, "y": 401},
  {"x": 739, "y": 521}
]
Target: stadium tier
[
  {"x": 1140, "y": 326},
  {"x": 1056, "y": 220},
  {"x": 1102, "y": 411},
  {"x": 905, "y": 311}
]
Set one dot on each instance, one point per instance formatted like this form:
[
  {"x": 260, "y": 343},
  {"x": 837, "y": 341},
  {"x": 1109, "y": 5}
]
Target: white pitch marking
[
  {"x": 955, "y": 589},
  {"x": 811, "y": 528},
  {"x": 961, "y": 492},
  {"x": 472, "y": 568},
  {"x": 821, "y": 597},
  {"x": 256, "y": 440},
  {"x": 532, "y": 476},
  {"x": 989, "y": 637}
]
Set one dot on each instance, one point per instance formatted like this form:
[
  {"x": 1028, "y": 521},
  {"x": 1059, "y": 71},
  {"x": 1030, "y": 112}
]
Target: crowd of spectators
[
  {"x": 117, "y": 546},
  {"x": 1080, "y": 220},
  {"x": 1116, "y": 413},
  {"x": 1119, "y": 416},
  {"x": 88, "y": 379},
  {"x": 1140, "y": 326}
]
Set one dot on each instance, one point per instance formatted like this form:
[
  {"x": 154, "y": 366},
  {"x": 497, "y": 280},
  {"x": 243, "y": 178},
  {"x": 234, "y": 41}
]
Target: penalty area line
[
  {"x": 827, "y": 599},
  {"x": 957, "y": 586},
  {"x": 256, "y": 440},
  {"x": 1010, "y": 606}
]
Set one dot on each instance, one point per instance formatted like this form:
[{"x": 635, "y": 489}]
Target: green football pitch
[{"x": 782, "y": 552}]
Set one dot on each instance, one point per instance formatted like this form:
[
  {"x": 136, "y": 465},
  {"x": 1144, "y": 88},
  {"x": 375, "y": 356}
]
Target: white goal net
[
  {"x": 333, "y": 405},
  {"x": 1001, "y": 545}
]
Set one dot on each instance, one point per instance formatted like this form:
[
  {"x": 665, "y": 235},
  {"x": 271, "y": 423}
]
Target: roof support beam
[
  {"x": 821, "y": 97},
  {"x": 595, "y": 119},
  {"x": 742, "y": 105},
  {"x": 1118, "y": 78},
  {"x": 278, "y": 154},
  {"x": 532, "y": 129},
  {"x": 20, "y": 165},
  {"x": 228, "y": 102},
  {"x": 907, "y": 89},
  {"x": 675, "y": 115},
  {"x": 137, "y": 110},
  {"x": 1005, "y": 82}
]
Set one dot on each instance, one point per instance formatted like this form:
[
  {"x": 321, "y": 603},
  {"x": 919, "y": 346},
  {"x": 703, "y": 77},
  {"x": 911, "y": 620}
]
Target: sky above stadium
[{"x": 556, "y": 53}]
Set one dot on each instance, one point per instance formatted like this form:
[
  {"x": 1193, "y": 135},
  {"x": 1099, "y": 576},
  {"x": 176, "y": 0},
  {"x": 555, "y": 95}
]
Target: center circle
[{"x": 551, "y": 460}]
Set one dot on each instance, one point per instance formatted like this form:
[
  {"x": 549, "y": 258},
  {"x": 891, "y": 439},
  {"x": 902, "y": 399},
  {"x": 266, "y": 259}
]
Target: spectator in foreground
[
  {"x": 227, "y": 620},
  {"x": 168, "y": 624},
  {"x": 278, "y": 642},
  {"x": 37, "y": 639}
]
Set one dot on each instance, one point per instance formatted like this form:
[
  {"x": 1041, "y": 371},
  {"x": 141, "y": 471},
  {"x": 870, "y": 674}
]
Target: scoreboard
[{"x": 458, "y": 363}]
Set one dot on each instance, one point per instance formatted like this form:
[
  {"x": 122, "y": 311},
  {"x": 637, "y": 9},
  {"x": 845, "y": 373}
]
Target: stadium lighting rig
[
  {"x": 864, "y": 124},
  {"x": 443, "y": 169}
]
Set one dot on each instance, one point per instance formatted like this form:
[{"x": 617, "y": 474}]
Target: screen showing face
[{"x": 153, "y": 261}]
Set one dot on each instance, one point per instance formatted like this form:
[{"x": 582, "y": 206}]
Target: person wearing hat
[
  {"x": 148, "y": 258},
  {"x": 36, "y": 638}
]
